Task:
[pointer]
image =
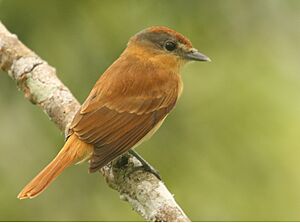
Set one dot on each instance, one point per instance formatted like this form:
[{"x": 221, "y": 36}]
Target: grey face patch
[{"x": 157, "y": 39}]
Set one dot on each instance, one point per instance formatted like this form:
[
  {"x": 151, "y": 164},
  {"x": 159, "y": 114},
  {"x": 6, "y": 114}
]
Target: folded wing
[{"x": 120, "y": 112}]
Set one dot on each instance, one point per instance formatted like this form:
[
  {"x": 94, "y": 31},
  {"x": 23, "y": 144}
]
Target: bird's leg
[{"x": 145, "y": 165}]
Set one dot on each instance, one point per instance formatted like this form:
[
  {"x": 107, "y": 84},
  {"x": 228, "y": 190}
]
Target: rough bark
[{"x": 147, "y": 195}]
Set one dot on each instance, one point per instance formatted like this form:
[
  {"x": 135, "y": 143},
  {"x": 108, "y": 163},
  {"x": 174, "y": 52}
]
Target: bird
[{"x": 127, "y": 104}]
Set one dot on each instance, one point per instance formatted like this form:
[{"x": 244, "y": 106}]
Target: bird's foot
[{"x": 145, "y": 165}]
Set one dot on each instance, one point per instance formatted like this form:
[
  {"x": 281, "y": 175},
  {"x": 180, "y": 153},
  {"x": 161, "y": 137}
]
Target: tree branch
[{"x": 147, "y": 195}]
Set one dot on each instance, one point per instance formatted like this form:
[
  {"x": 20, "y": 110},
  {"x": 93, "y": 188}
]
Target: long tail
[{"x": 72, "y": 152}]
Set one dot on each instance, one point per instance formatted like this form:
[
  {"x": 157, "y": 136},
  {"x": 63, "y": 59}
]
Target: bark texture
[{"x": 147, "y": 195}]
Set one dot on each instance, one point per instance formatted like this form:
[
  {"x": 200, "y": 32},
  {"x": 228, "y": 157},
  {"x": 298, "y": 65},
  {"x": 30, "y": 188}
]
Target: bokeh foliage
[{"x": 229, "y": 151}]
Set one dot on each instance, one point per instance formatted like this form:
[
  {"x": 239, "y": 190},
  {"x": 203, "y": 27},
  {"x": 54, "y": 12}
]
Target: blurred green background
[{"x": 230, "y": 150}]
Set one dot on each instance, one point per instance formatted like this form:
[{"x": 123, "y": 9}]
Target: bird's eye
[{"x": 170, "y": 46}]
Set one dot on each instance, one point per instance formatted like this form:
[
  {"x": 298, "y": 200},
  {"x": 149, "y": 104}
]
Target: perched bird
[{"x": 127, "y": 105}]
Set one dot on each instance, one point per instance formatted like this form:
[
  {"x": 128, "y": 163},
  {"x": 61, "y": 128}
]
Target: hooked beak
[{"x": 196, "y": 55}]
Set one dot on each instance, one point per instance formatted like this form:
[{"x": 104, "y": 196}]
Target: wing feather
[{"x": 121, "y": 110}]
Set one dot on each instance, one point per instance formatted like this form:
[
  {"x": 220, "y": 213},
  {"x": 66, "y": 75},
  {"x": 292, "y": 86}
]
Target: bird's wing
[{"x": 116, "y": 121}]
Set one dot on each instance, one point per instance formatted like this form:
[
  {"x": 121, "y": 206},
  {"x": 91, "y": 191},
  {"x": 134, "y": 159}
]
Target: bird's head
[{"x": 165, "y": 46}]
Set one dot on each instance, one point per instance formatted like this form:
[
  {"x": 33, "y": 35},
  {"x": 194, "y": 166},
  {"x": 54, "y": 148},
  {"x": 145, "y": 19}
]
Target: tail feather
[{"x": 73, "y": 151}]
